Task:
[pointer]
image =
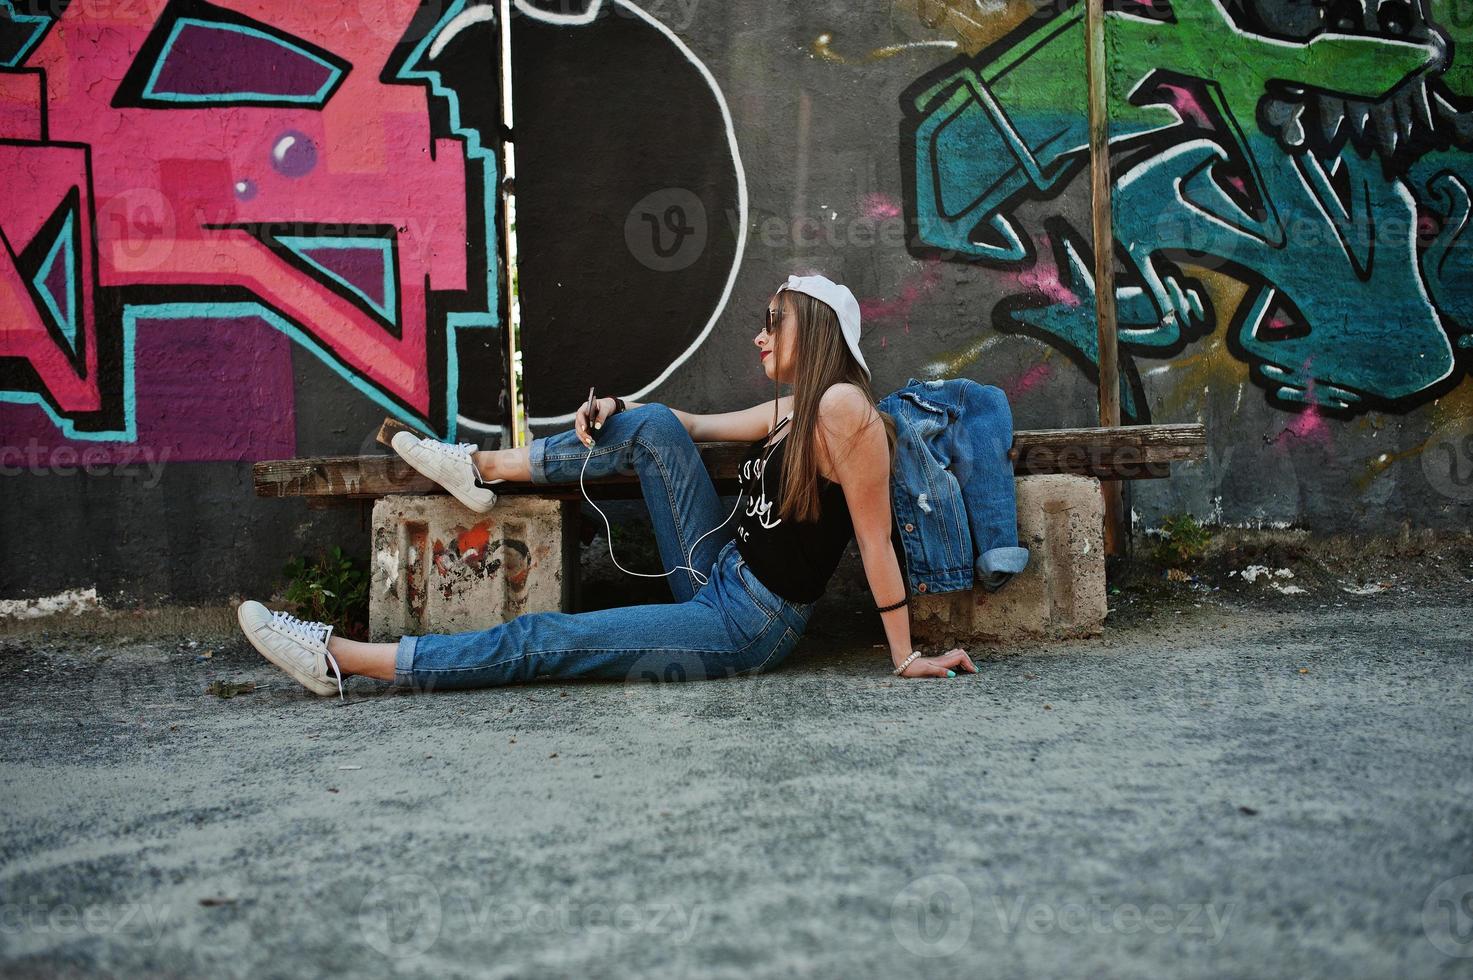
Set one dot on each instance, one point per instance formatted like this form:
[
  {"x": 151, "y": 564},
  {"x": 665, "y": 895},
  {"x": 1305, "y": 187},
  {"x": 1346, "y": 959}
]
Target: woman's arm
[
  {"x": 746, "y": 425},
  {"x": 853, "y": 437}
]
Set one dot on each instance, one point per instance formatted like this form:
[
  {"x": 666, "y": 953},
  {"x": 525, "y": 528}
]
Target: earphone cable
[{"x": 700, "y": 577}]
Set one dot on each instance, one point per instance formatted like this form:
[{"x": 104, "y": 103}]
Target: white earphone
[{"x": 699, "y": 575}]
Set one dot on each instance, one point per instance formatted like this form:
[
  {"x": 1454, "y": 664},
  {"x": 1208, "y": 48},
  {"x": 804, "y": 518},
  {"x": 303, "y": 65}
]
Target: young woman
[{"x": 817, "y": 473}]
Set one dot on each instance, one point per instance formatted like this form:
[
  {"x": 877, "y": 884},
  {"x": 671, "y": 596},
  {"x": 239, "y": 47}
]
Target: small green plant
[
  {"x": 332, "y": 589},
  {"x": 1183, "y": 540}
]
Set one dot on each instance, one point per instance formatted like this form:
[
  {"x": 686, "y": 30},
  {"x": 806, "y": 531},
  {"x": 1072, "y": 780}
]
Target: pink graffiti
[
  {"x": 39, "y": 179},
  {"x": 879, "y": 207},
  {"x": 1309, "y": 425},
  {"x": 1186, "y": 103},
  {"x": 1046, "y": 281},
  {"x": 1030, "y": 379},
  {"x": 161, "y": 183},
  {"x": 912, "y": 291},
  {"x": 1043, "y": 277}
]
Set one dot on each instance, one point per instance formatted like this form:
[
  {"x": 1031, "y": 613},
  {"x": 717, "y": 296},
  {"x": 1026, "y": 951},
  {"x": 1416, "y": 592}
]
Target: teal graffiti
[{"x": 1224, "y": 156}]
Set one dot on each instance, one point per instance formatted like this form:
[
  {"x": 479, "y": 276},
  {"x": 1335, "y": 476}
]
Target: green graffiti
[{"x": 1231, "y": 150}]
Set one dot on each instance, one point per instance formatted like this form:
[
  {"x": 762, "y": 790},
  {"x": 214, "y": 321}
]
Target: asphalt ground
[{"x": 1229, "y": 782}]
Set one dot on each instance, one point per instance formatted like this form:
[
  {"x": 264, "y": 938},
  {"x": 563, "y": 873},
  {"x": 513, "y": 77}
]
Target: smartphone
[{"x": 592, "y": 406}]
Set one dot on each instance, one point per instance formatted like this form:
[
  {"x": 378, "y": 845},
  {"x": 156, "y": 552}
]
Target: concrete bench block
[
  {"x": 1060, "y": 595},
  {"x": 440, "y": 568}
]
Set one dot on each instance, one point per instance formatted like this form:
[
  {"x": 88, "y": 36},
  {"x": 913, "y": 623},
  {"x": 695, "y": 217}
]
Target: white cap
[{"x": 840, "y": 300}]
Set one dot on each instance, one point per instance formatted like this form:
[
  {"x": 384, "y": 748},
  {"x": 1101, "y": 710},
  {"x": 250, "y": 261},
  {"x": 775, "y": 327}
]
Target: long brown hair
[{"x": 823, "y": 360}]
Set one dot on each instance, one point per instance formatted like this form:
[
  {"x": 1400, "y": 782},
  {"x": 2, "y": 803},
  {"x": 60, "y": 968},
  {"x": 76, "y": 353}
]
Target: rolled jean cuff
[
  {"x": 404, "y": 661},
  {"x": 536, "y": 459},
  {"x": 996, "y": 566}
]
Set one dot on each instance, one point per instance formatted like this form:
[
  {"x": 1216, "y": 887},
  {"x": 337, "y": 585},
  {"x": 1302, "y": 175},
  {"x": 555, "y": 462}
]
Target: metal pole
[{"x": 516, "y": 435}]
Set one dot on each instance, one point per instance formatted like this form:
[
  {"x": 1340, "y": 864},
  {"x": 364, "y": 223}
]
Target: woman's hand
[
  {"x": 937, "y": 666},
  {"x": 602, "y": 408}
]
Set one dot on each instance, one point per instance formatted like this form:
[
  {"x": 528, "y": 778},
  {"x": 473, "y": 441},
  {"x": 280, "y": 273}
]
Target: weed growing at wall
[
  {"x": 331, "y": 589},
  {"x": 1183, "y": 540}
]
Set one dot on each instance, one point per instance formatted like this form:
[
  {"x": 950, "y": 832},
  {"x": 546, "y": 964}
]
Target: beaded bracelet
[
  {"x": 895, "y": 605},
  {"x": 906, "y": 663}
]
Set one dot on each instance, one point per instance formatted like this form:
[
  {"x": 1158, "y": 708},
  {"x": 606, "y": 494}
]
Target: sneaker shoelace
[
  {"x": 460, "y": 452},
  {"x": 310, "y": 633}
]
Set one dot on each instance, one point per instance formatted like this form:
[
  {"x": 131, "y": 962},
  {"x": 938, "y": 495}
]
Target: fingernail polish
[{"x": 951, "y": 673}]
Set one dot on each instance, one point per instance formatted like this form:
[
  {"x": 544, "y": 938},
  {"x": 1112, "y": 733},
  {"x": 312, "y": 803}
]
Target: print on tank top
[
  {"x": 752, "y": 470},
  {"x": 759, "y": 507}
]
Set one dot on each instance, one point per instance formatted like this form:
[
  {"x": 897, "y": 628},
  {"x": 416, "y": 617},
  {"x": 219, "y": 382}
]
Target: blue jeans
[{"x": 730, "y": 625}]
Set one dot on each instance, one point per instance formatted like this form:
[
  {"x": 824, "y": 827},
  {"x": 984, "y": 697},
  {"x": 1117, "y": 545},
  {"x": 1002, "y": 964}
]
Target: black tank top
[{"x": 795, "y": 559}]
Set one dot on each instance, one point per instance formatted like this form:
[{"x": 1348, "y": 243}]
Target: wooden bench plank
[
  {"x": 1115, "y": 452},
  {"x": 1122, "y": 452},
  {"x": 368, "y": 477}
]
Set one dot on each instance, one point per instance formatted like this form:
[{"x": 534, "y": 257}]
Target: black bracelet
[
  {"x": 618, "y": 406},
  {"x": 896, "y": 605}
]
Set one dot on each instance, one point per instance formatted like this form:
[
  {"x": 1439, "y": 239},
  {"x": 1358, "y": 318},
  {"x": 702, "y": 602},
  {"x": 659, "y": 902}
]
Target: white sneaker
[
  {"x": 297, "y": 646},
  {"x": 449, "y": 465}
]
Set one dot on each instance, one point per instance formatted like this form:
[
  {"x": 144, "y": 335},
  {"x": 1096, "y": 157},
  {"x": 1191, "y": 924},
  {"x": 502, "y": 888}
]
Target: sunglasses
[{"x": 772, "y": 319}]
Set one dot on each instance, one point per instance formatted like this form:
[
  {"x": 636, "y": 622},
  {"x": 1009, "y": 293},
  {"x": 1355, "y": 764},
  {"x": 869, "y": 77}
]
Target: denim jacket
[{"x": 951, "y": 487}]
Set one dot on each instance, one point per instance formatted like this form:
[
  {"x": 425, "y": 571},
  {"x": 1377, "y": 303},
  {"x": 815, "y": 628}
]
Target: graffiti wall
[
  {"x": 244, "y": 230},
  {"x": 1290, "y": 211},
  {"x": 618, "y": 119},
  {"x": 200, "y": 199}
]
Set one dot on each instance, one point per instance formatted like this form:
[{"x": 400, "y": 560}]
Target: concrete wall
[{"x": 206, "y": 266}]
